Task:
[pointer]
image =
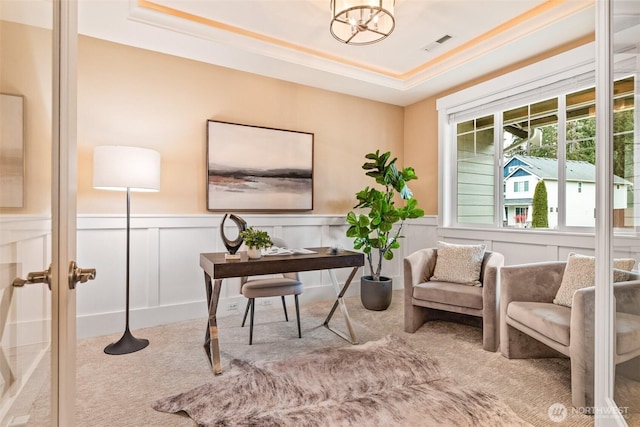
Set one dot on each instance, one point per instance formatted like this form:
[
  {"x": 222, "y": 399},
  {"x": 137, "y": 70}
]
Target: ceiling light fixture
[{"x": 361, "y": 22}]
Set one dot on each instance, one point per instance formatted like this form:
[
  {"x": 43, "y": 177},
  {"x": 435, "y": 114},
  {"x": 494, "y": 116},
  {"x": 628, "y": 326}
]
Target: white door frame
[
  {"x": 604, "y": 371},
  {"x": 63, "y": 204}
]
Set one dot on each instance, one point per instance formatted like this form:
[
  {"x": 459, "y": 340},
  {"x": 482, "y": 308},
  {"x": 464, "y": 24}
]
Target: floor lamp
[{"x": 126, "y": 169}]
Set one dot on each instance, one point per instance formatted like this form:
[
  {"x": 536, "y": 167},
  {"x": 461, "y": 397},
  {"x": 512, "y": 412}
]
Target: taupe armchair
[
  {"x": 257, "y": 287},
  {"x": 533, "y": 326},
  {"x": 426, "y": 300}
]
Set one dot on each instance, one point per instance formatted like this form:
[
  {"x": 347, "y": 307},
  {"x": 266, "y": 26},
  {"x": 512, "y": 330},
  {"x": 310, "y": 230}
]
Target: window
[
  {"x": 543, "y": 158},
  {"x": 475, "y": 171},
  {"x": 530, "y": 141}
]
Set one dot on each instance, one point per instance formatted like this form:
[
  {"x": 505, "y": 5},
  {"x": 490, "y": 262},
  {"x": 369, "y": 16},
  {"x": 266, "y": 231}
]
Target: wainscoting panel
[
  {"x": 167, "y": 283},
  {"x": 181, "y": 278},
  {"x": 25, "y": 313},
  {"x": 25, "y": 243}
]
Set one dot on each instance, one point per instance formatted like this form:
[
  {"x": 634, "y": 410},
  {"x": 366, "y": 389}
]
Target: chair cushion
[
  {"x": 580, "y": 272},
  {"x": 458, "y": 263},
  {"x": 628, "y": 333},
  {"x": 275, "y": 287},
  {"x": 551, "y": 320},
  {"x": 449, "y": 293}
]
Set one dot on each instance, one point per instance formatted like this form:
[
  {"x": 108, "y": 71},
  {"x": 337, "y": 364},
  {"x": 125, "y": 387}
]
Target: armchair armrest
[
  {"x": 492, "y": 263},
  {"x": 418, "y": 267},
  {"x": 491, "y": 266},
  {"x": 627, "y": 295},
  {"x": 581, "y": 345},
  {"x": 538, "y": 282}
]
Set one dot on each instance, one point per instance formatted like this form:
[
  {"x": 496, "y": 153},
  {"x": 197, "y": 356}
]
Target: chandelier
[{"x": 360, "y": 22}]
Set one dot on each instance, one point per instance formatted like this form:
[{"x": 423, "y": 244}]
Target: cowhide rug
[{"x": 381, "y": 383}]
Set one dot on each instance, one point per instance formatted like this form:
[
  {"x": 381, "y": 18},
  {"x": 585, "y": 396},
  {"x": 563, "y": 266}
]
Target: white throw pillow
[
  {"x": 459, "y": 263},
  {"x": 580, "y": 272}
]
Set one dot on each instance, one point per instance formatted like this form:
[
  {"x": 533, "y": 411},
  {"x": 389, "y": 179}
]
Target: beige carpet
[{"x": 119, "y": 390}]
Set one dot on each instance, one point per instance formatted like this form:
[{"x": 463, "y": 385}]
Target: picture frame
[
  {"x": 255, "y": 168},
  {"x": 12, "y": 160}
]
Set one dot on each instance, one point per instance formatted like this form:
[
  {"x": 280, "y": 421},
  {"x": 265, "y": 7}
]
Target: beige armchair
[
  {"x": 426, "y": 300},
  {"x": 533, "y": 326}
]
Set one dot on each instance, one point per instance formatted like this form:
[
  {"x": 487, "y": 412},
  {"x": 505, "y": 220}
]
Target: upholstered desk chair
[
  {"x": 427, "y": 298},
  {"x": 257, "y": 287},
  {"x": 533, "y": 326}
]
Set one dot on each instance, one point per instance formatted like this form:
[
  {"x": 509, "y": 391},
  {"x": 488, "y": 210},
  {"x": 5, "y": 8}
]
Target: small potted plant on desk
[
  {"x": 374, "y": 232},
  {"x": 256, "y": 240}
]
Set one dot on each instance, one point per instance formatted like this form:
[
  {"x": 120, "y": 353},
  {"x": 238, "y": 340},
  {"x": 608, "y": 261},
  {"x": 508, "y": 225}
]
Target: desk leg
[
  {"x": 211, "y": 344},
  {"x": 343, "y": 307}
]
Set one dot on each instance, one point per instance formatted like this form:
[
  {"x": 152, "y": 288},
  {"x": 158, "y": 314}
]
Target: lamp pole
[{"x": 128, "y": 343}]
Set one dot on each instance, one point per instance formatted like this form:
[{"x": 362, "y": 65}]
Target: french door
[
  {"x": 38, "y": 212},
  {"x": 617, "y": 41}
]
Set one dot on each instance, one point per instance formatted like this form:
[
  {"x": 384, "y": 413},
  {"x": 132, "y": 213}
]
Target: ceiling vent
[{"x": 434, "y": 45}]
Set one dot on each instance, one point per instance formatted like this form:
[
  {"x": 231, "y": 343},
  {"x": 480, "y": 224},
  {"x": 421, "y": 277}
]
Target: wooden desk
[{"x": 216, "y": 268}]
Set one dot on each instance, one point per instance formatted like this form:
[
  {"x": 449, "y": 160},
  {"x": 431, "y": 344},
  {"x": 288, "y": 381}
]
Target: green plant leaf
[
  {"x": 363, "y": 221},
  {"x": 352, "y": 232},
  {"x": 351, "y": 218}
]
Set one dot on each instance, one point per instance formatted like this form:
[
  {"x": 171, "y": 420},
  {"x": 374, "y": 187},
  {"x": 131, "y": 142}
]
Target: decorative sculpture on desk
[{"x": 233, "y": 245}]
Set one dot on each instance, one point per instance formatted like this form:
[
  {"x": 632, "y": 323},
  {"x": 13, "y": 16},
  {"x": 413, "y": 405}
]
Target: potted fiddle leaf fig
[
  {"x": 378, "y": 231},
  {"x": 256, "y": 240}
]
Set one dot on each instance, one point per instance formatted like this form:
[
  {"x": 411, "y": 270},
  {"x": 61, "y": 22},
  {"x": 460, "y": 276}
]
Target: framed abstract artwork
[
  {"x": 253, "y": 168},
  {"x": 11, "y": 151}
]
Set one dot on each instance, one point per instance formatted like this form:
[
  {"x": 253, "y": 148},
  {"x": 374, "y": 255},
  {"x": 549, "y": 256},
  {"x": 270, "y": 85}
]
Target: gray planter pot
[{"x": 376, "y": 294}]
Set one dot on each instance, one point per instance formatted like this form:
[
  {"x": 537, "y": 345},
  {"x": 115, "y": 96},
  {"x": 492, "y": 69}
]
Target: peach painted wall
[
  {"x": 133, "y": 96},
  {"x": 130, "y": 96},
  {"x": 25, "y": 69}
]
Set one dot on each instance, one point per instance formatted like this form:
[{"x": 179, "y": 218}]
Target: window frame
[{"x": 554, "y": 80}]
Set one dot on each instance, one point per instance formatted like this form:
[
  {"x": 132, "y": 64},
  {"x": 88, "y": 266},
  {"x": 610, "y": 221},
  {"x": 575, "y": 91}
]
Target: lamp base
[{"x": 127, "y": 344}]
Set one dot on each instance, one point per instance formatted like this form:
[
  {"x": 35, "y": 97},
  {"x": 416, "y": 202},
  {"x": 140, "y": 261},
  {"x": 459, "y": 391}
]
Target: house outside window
[
  {"x": 475, "y": 171},
  {"x": 552, "y": 140}
]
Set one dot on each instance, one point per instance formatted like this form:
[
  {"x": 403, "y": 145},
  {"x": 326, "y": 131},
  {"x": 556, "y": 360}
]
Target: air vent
[{"x": 433, "y": 45}]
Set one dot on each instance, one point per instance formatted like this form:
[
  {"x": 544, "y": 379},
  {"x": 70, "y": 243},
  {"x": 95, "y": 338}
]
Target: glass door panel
[
  {"x": 626, "y": 161},
  {"x": 25, "y": 210}
]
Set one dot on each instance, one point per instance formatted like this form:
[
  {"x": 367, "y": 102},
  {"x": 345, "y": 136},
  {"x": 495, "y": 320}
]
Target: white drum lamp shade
[{"x": 118, "y": 167}]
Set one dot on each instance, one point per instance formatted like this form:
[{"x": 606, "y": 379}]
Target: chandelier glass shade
[{"x": 361, "y": 22}]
